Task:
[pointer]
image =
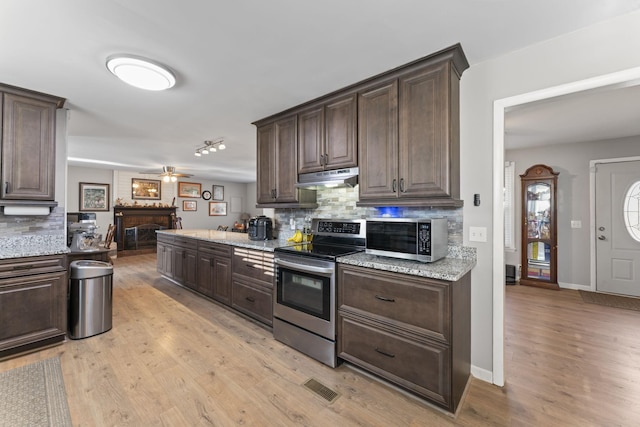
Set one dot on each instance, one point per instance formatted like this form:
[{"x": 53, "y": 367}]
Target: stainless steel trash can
[{"x": 90, "y": 298}]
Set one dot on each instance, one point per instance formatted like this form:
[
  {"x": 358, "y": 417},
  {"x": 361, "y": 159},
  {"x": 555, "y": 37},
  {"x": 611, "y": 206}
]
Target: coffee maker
[{"x": 81, "y": 232}]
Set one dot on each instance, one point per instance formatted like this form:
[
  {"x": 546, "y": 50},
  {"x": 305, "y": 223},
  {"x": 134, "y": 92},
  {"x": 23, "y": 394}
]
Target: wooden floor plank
[{"x": 174, "y": 358}]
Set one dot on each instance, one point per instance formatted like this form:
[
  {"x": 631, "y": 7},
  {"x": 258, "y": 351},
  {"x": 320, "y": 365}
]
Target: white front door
[{"x": 618, "y": 228}]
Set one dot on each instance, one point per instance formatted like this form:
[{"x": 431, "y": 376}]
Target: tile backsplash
[
  {"x": 18, "y": 226},
  {"x": 341, "y": 203}
]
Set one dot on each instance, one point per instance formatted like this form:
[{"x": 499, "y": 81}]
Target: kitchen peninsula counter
[
  {"x": 459, "y": 261},
  {"x": 226, "y": 237}
]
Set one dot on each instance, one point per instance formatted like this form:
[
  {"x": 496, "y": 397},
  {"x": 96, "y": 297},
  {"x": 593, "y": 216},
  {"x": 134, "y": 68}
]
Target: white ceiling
[{"x": 240, "y": 61}]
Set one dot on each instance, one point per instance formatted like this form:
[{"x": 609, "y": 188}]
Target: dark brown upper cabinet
[
  {"x": 276, "y": 166},
  {"x": 28, "y": 144},
  {"x": 401, "y": 128},
  {"x": 408, "y": 131},
  {"x": 327, "y": 135}
]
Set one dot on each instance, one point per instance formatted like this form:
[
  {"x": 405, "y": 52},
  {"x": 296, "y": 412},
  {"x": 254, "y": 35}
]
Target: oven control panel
[{"x": 352, "y": 228}]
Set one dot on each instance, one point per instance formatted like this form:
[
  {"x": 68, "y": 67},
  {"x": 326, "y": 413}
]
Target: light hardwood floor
[{"x": 176, "y": 359}]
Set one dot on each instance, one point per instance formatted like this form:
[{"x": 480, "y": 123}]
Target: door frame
[
  {"x": 624, "y": 77},
  {"x": 592, "y": 211}
]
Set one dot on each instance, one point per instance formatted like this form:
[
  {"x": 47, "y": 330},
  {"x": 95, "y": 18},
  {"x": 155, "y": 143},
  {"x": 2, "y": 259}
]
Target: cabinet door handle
[
  {"x": 250, "y": 299},
  {"x": 326, "y": 159},
  {"x": 22, "y": 267},
  {"x": 402, "y": 185},
  {"x": 321, "y": 159},
  {"x": 250, "y": 266},
  {"x": 381, "y": 298},
  {"x": 6, "y": 187},
  {"x": 393, "y": 185},
  {"x": 384, "y": 353}
]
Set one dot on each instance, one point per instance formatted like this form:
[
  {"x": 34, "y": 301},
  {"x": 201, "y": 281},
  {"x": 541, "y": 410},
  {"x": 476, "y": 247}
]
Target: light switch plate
[{"x": 477, "y": 234}]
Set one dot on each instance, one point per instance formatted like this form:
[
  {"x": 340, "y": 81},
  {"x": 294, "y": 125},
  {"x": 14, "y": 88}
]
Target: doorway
[{"x": 500, "y": 107}]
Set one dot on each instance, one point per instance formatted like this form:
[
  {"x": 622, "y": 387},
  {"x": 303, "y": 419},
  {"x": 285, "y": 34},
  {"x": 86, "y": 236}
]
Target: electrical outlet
[
  {"x": 575, "y": 223},
  {"x": 477, "y": 234}
]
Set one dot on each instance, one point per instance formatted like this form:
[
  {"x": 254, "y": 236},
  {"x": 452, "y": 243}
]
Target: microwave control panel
[{"x": 424, "y": 238}]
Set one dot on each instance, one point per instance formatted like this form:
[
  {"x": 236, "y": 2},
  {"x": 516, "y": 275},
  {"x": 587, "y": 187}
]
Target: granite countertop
[
  {"x": 228, "y": 238},
  {"x": 28, "y": 246},
  {"x": 458, "y": 262}
]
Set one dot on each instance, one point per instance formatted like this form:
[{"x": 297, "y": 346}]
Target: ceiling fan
[{"x": 169, "y": 174}]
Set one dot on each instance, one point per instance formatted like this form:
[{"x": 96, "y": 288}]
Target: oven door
[{"x": 305, "y": 293}]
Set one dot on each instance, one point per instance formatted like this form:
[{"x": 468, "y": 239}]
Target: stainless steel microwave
[{"x": 418, "y": 239}]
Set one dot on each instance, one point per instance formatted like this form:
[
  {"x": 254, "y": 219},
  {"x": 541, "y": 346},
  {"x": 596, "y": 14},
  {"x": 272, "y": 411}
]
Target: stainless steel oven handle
[{"x": 302, "y": 267}]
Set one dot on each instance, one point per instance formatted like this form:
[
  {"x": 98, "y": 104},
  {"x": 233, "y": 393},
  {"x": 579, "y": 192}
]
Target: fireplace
[{"x": 136, "y": 227}]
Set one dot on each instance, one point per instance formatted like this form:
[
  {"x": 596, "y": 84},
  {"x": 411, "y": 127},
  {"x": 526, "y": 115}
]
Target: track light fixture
[{"x": 210, "y": 147}]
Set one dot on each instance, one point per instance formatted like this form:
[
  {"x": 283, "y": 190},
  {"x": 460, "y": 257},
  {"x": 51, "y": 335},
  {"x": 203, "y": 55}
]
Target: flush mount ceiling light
[
  {"x": 210, "y": 147},
  {"x": 141, "y": 72}
]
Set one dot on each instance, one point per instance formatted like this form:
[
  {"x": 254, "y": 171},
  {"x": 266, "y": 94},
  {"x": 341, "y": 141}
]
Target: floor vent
[{"x": 321, "y": 390}]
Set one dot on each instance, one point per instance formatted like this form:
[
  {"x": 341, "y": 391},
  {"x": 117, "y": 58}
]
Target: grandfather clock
[{"x": 539, "y": 227}]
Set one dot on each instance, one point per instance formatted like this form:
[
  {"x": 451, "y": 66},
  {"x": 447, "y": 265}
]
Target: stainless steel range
[{"x": 304, "y": 309}]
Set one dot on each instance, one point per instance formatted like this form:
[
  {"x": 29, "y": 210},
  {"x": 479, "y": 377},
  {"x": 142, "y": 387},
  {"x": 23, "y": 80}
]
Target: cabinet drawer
[
  {"x": 33, "y": 265},
  {"x": 422, "y": 367},
  {"x": 416, "y": 302},
  {"x": 215, "y": 249},
  {"x": 164, "y": 238},
  {"x": 253, "y": 301},
  {"x": 254, "y": 264}
]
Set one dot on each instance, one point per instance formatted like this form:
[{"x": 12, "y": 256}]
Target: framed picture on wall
[
  {"x": 189, "y": 189},
  {"x": 218, "y": 192},
  {"x": 189, "y": 205},
  {"x": 94, "y": 197},
  {"x": 146, "y": 189},
  {"x": 217, "y": 208}
]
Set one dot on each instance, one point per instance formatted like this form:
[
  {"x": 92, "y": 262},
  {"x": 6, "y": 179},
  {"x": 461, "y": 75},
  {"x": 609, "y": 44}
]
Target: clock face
[{"x": 206, "y": 195}]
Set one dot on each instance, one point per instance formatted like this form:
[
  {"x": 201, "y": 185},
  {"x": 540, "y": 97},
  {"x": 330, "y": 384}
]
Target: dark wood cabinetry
[
  {"x": 33, "y": 303},
  {"x": 253, "y": 274},
  {"x": 327, "y": 135},
  {"x": 408, "y": 132},
  {"x": 412, "y": 331},
  {"x": 185, "y": 257},
  {"x": 28, "y": 144},
  {"x": 214, "y": 271},
  {"x": 238, "y": 277},
  {"x": 401, "y": 128},
  {"x": 276, "y": 168},
  {"x": 539, "y": 250}
]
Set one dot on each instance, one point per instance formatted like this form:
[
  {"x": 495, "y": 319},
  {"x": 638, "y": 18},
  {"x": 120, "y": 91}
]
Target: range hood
[{"x": 347, "y": 177}]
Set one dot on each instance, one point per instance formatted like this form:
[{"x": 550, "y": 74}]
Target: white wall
[{"x": 597, "y": 50}]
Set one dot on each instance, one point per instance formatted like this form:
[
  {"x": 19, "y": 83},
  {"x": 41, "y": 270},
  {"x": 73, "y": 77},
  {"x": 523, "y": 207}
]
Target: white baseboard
[{"x": 482, "y": 374}]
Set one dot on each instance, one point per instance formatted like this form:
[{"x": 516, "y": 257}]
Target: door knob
[{"x": 602, "y": 238}]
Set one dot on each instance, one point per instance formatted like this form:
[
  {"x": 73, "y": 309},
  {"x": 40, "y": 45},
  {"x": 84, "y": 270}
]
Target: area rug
[
  {"x": 34, "y": 395},
  {"x": 617, "y": 301}
]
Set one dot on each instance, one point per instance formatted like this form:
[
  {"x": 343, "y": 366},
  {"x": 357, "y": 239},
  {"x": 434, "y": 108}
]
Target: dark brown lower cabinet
[
  {"x": 409, "y": 330},
  {"x": 214, "y": 271},
  {"x": 253, "y": 283},
  {"x": 33, "y": 303},
  {"x": 238, "y": 277}
]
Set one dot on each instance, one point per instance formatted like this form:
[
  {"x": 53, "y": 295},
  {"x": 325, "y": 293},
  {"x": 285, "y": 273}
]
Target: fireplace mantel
[{"x": 128, "y": 217}]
